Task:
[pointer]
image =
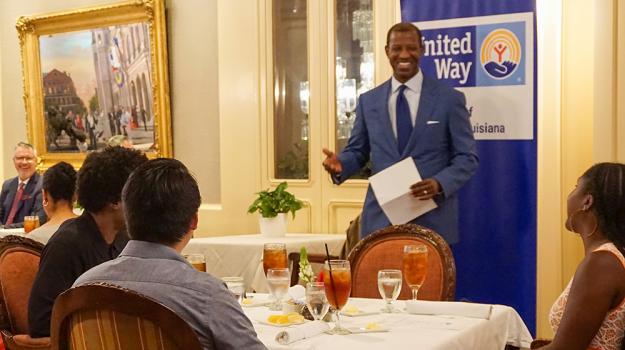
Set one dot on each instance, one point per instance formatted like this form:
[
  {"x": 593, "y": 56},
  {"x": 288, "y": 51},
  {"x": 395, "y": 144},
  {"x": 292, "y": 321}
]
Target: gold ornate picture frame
[{"x": 96, "y": 76}]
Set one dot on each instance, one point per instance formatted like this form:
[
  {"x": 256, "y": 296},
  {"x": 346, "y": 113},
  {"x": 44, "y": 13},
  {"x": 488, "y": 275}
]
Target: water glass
[
  {"x": 236, "y": 286},
  {"x": 316, "y": 300},
  {"x": 389, "y": 286},
  {"x": 415, "y": 266},
  {"x": 279, "y": 281},
  {"x": 197, "y": 260}
]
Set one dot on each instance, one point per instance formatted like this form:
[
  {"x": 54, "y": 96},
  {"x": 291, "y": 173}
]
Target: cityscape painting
[
  {"x": 95, "y": 77},
  {"x": 97, "y": 84}
]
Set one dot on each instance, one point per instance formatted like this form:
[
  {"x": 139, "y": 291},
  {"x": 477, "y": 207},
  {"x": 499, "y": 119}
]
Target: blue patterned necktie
[{"x": 404, "y": 125}]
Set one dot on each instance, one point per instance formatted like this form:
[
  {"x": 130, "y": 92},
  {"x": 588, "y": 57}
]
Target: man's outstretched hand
[{"x": 332, "y": 164}]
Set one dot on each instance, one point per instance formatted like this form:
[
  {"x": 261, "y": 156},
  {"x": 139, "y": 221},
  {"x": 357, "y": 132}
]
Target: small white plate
[
  {"x": 356, "y": 330},
  {"x": 255, "y": 302},
  {"x": 355, "y": 312},
  {"x": 265, "y": 322}
]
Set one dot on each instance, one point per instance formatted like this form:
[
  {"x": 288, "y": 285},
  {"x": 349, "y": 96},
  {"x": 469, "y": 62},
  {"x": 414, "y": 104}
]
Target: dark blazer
[
  {"x": 441, "y": 145},
  {"x": 31, "y": 203}
]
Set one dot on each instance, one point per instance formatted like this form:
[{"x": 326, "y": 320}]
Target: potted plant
[{"x": 273, "y": 206}]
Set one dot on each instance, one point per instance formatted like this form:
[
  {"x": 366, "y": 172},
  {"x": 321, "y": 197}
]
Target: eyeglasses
[{"x": 24, "y": 159}]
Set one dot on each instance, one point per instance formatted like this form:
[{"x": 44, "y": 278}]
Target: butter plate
[
  {"x": 357, "y": 330},
  {"x": 355, "y": 312},
  {"x": 254, "y": 302}
]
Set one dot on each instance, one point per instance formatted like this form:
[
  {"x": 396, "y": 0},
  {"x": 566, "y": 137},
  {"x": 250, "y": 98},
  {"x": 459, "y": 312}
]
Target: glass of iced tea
[
  {"x": 337, "y": 278},
  {"x": 30, "y": 223},
  {"x": 197, "y": 260},
  {"x": 415, "y": 266},
  {"x": 274, "y": 256}
]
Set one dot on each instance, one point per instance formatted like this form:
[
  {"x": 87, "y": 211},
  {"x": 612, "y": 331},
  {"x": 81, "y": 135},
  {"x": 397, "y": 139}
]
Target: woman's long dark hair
[{"x": 606, "y": 183}]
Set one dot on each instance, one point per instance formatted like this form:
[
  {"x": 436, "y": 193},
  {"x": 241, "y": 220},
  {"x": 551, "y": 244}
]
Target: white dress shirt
[{"x": 412, "y": 93}]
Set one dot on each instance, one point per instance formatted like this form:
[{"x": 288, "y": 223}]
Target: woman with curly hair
[
  {"x": 58, "y": 192},
  {"x": 590, "y": 313},
  {"x": 96, "y": 236}
]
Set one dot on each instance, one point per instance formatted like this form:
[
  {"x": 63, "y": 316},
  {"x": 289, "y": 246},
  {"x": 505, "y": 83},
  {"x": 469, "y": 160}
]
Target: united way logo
[{"x": 500, "y": 54}]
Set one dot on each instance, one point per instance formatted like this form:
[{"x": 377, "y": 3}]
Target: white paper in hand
[{"x": 391, "y": 187}]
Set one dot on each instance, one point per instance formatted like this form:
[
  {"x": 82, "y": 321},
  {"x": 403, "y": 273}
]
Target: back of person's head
[
  {"x": 606, "y": 183},
  {"x": 160, "y": 200},
  {"x": 59, "y": 182},
  {"x": 402, "y": 27},
  {"x": 103, "y": 175}
]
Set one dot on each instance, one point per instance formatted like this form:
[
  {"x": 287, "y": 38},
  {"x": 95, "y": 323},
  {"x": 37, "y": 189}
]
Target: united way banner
[{"x": 487, "y": 49}]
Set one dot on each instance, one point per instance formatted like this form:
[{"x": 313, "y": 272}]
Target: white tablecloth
[
  {"x": 12, "y": 231},
  {"x": 407, "y": 331},
  {"x": 242, "y": 255}
]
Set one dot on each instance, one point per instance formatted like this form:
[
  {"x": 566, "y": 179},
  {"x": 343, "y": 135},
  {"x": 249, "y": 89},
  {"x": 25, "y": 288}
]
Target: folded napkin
[
  {"x": 297, "y": 292},
  {"x": 420, "y": 307},
  {"x": 303, "y": 331}
]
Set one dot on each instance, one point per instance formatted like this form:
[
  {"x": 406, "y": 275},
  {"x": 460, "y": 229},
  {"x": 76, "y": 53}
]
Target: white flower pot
[{"x": 273, "y": 227}]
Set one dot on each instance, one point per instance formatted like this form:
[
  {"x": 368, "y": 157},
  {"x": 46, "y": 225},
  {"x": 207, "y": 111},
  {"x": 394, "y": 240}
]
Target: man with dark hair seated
[
  {"x": 88, "y": 240},
  {"x": 161, "y": 201}
]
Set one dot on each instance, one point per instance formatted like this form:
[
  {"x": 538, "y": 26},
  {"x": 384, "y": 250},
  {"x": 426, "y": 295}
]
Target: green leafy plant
[{"x": 271, "y": 203}]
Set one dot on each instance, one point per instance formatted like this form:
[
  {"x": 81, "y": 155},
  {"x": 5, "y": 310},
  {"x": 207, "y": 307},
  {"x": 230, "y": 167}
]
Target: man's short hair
[
  {"x": 103, "y": 174},
  {"x": 160, "y": 199},
  {"x": 403, "y": 27},
  {"x": 23, "y": 144}
]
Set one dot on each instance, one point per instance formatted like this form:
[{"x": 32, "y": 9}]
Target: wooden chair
[
  {"x": 383, "y": 249},
  {"x": 102, "y": 316},
  {"x": 19, "y": 263},
  {"x": 312, "y": 258}
]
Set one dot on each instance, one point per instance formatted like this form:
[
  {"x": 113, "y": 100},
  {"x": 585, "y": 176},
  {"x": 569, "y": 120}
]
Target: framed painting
[{"x": 95, "y": 77}]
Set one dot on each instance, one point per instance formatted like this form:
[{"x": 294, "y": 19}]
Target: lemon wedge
[
  {"x": 372, "y": 326},
  {"x": 247, "y": 301},
  {"x": 352, "y": 310},
  {"x": 290, "y": 318},
  {"x": 295, "y": 318},
  {"x": 278, "y": 319}
]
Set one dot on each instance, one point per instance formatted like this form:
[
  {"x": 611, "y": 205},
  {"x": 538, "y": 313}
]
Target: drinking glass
[
  {"x": 197, "y": 260},
  {"x": 236, "y": 286},
  {"x": 279, "y": 281},
  {"x": 415, "y": 266},
  {"x": 338, "y": 285},
  {"x": 316, "y": 299},
  {"x": 30, "y": 223},
  {"x": 274, "y": 256},
  {"x": 389, "y": 286}
]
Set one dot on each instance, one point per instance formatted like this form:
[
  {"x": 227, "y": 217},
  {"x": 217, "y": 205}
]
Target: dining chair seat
[
  {"x": 101, "y": 316},
  {"x": 383, "y": 249},
  {"x": 19, "y": 263}
]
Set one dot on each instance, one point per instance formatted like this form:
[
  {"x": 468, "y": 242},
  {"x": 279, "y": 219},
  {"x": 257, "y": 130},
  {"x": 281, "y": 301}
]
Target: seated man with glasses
[{"x": 21, "y": 195}]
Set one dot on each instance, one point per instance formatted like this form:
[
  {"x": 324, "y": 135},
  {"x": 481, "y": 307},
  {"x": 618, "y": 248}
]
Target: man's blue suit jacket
[
  {"x": 441, "y": 145},
  {"x": 31, "y": 203}
]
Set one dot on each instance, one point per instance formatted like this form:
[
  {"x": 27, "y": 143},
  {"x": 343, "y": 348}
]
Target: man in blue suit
[
  {"x": 413, "y": 116},
  {"x": 21, "y": 195}
]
